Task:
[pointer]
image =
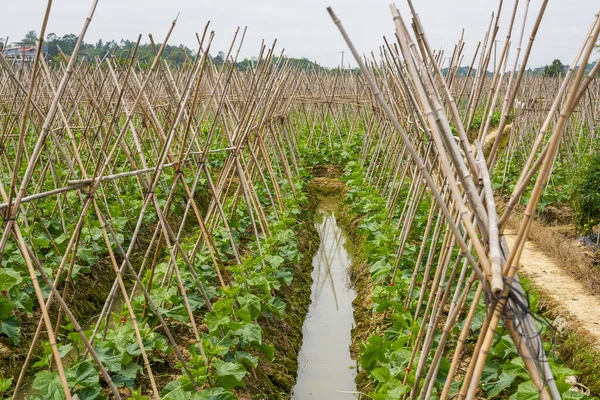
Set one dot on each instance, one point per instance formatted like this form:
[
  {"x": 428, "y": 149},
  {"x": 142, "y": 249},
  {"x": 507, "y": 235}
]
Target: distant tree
[
  {"x": 67, "y": 43},
  {"x": 176, "y": 56},
  {"x": 555, "y": 69},
  {"x": 100, "y": 44},
  {"x": 109, "y": 45},
  {"x": 219, "y": 59},
  {"x": 30, "y": 38}
]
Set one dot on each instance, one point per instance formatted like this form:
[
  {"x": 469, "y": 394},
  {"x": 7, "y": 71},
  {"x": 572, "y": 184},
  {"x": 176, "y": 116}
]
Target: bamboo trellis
[
  {"x": 455, "y": 173},
  {"x": 139, "y": 155}
]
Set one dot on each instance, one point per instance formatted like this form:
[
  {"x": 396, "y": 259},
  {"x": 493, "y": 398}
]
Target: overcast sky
[{"x": 303, "y": 27}]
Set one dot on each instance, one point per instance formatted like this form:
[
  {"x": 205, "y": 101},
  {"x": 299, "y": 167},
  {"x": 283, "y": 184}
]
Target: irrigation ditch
[{"x": 325, "y": 367}]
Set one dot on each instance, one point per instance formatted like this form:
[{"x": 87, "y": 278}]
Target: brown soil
[
  {"x": 567, "y": 284},
  {"x": 546, "y": 275},
  {"x": 566, "y": 277}
]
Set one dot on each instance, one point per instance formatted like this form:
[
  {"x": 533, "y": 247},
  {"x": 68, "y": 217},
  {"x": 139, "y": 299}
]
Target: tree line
[{"x": 174, "y": 54}]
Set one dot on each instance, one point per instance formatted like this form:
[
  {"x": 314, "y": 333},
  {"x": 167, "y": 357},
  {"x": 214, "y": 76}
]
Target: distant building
[{"x": 22, "y": 52}]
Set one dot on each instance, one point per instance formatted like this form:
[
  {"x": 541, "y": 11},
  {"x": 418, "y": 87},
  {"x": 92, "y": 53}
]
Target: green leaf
[
  {"x": 214, "y": 394},
  {"x": 570, "y": 394},
  {"x": 527, "y": 391},
  {"x": 494, "y": 388},
  {"x": 371, "y": 352},
  {"x": 267, "y": 350},
  {"x": 11, "y": 328},
  {"x": 229, "y": 374},
  {"x": 110, "y": 360},
  {"x": 246, "y": 359},
  {"x": 41, "y": 242},
  {"x": 559, "y": 370},
  {"x": 49, "y": 384},
  {"x": 516, "y": 367},
  {"x": 21, "y": 300},
  {"x": 90, "y": 392},
  {"x": 276, "y": 306},
  {"x": 491, "y": 369},
  {"x": 127, "y": 376},
  {"x": 83, "y": 374},
  {"x": 214, "y": 347},
  {"x": 137, "y": 394},
  {"x": 5, "y": 308},
  {"x": 215, "y": 321},
  {"x": 86, "y": 255},
  {"x": 250, "y": 333},
  {"x": 8, "y": 279},
  {"x": 63, "y": 350},
  {"x": 249, "y": 307},
  {"x": 381, "y": 374},
  {"x": 131, "y": 370},
  {"x": 286, "y": 276},
  {"x": 380, "y": 270},
  {"x": 175, "y": 390},
  {"x": 274, "y": 261},
  {"x": 5, "y": 383}
]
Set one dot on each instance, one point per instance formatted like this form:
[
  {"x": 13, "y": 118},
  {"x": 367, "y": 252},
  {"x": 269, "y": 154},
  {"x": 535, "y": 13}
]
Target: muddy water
[{"x": 325, "y": 369}]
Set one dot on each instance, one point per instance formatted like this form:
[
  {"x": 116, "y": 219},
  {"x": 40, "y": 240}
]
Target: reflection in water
[{"x": 324, "y": 364}]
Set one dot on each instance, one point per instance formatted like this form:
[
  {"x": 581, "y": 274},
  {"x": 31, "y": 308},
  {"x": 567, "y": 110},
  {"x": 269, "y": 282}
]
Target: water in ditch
[{"x": 325, "y": 369}]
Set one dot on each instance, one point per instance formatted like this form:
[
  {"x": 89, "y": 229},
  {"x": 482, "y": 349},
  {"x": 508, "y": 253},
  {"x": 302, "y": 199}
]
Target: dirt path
[{"x": 548, "y": 277}]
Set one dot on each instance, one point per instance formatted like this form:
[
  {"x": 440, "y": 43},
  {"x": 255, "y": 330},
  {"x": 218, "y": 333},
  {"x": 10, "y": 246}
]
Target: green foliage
[
  {"x": 49, "y": 383},
  {"x": 234, "y": 338},
  {"x": 586, "y": 193},
  {"x": 10, "y": 327},
  {"x": 555, "y": 69},
  {"x": 5, "y": 384},
  {"x": 174, "y": 54},
  {"x": 479, "y": 119},
  {"x": 302, "y": 64},
  {"x": 30, "y": 38}
]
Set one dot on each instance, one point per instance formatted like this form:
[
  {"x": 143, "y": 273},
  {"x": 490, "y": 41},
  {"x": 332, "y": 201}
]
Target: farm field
[{"x": 212, "y": 228}]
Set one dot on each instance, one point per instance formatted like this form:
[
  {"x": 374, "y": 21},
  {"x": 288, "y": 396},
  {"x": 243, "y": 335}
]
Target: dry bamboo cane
[
  {"x": 513, "y": 259},
  {"x": 448, "y": 97},
  {"x": 44, "y": 131},
  {"x": 525, "y": 178},
  {"x": 443, "y": 296},
  {"x": 417, "y": 159},
  {"x": 22, "y": 128},
  {"x": 498, "y": 74},
  {"x": 511, "y": 92},
  {"x": 444, "y": 159}
]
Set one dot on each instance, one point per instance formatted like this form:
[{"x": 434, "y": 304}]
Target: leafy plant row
[
  {"x": 386, "y": 355},
  {"x": 231, "y": 337}
]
